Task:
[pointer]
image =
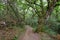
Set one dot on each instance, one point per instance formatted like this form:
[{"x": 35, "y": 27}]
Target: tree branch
[
  {"x": 50, "y": 6},
  {"x": 15, "y": 10},
  {"x": 33, "y": 3}
]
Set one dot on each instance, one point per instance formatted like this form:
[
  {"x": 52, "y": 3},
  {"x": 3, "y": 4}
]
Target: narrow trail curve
[{"x": 29, "y": 34}]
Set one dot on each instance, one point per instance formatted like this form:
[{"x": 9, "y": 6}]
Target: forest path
[
  {"x": 25, "y": 34},
  {"x": 29, "y": 34}
]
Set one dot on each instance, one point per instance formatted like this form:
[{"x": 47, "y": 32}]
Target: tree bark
[{"x": 43, "y": 18}]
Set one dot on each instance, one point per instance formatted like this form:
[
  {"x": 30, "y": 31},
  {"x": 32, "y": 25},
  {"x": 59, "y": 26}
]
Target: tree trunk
[{"x": 45, "y": 14}]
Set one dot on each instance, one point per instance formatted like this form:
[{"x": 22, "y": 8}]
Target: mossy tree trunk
[{"x": 45, "y": 14}]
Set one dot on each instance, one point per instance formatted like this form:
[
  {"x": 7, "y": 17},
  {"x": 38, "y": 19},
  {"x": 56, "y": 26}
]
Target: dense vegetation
[{"x": 42, "y": 15}]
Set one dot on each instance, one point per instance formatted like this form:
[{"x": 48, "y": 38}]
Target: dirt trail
[{"x": 29, "y": 34}]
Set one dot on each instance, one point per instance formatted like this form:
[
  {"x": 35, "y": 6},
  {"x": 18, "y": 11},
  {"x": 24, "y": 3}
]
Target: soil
[{"x": 28, "y": 34}]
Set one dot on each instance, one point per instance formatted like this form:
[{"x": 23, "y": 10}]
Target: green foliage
[
  {"x": 28, "y": 12},
  {"x": 1, "y": 6},
  {"x": 15, "y": 38},
  {"x": 54, "y": 19}
]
